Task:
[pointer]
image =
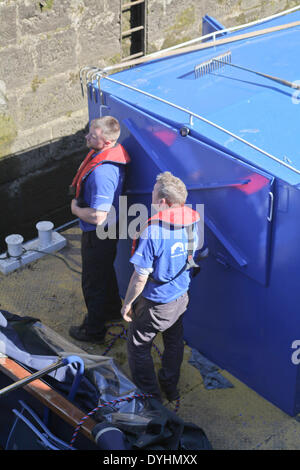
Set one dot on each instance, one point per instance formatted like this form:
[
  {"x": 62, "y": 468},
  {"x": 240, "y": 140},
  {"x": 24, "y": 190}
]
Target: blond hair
[
  {"x": 171, "y": 188},
  {"x": 109, "y": 126}
]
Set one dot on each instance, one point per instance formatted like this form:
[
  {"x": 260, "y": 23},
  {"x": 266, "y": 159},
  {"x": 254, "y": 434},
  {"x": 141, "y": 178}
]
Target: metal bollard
[
  {"x": 45, "y": 233},
  {"x": 14, "y": 245}
]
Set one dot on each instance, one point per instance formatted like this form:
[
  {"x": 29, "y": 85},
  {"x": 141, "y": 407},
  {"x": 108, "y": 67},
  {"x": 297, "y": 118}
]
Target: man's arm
[
  {"x": 135, "y": 288},
  {"x": 88, "y": 214}
]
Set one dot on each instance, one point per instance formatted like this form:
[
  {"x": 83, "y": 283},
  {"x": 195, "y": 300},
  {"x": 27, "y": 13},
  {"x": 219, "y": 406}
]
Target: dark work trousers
[
  {"x": 99, "y": 282},
  {"x": 150, "y": 318}
]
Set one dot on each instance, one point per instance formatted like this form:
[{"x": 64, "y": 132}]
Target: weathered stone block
[
  {"x": 69, "y": 124},
  {"x": 16, "y": 66},
  {"x": 99, "y": 34},
  {"x": 56, "y": 53},
  {"x": 72, "y": 123},
  {"x": 12, "y": 99},
  {"x": 34, "y": 138},
  {"x": 249, "y": 4},
  {"x": 183, "y": 27},
  {"x": 44, "y": 16},
  {"x": 93, "y": 8},
  {"x": 102, "y": 56},
  {"x": 8, "y": 25},
  {"x": 53, "y": 98},
  {"x": 3, "y": 101},
  {"x": 8, "y": 133},
  {"x": 172, "y": 22},
  {"x": 8, "y": 129},
  {"x": 220, "y": 9}
]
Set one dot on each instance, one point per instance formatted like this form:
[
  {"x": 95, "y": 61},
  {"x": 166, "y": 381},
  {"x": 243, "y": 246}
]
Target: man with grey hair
[
  {"x": 97, "y": 185},
  {"x": 157, "y": 296}
]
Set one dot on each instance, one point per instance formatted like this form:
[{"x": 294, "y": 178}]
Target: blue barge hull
[{"x": 240, "y": 159}]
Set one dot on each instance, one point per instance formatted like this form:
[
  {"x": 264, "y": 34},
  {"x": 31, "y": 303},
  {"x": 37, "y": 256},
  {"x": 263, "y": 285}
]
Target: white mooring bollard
[
  {"x": 45, "y": 233},
  {"x": 14, "y": 245},
  {"x": 19, "y": 254}
]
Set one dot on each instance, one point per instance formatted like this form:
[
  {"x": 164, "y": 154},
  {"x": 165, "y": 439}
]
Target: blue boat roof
[{"x": 261, "y": 111}]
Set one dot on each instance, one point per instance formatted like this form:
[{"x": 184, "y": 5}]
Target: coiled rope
[{"x": 142, "y": 396}]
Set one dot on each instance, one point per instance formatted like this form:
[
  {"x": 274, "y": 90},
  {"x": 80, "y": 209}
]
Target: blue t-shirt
[
  {"x": 164, "y": 250},
  {"x": 101, "y": 190}
]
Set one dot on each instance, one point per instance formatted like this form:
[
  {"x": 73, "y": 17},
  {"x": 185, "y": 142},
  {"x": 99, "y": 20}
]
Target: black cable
[
  {"x": 19, "y": 257},
  {"x": 55, "y": 256},
  {"x": 7, "y": 256}
]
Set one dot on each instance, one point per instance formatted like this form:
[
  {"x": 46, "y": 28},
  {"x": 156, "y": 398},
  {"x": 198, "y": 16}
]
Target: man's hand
[
  {"x": 74, "y": 206},
  {"x": 135, "y": 288},
  {"x": 126, "y": 312}
]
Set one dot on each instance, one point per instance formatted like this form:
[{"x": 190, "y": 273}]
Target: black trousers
[
  {"x": 99, "y": 282},
  {"x": 150, "y": 318}
]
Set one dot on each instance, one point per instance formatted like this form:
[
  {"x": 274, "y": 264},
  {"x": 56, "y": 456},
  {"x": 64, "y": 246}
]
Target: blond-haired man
[
  {"x": 98, "y": 184},
  {"x": 160, "y": 282}
]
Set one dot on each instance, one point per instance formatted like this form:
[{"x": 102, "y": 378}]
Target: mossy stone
[
  {"x": 48, "y": 5},
  {"x": 181, "y": 25},
  {"x": 8, "y": 132}
]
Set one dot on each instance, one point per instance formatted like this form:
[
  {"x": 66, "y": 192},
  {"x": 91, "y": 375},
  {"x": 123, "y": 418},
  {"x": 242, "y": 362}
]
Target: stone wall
[
  {"x": 171, "y": 21},
  {"x": 43, "y": 45}
]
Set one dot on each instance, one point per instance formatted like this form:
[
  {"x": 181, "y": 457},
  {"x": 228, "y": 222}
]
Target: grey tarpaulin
[{"x": 209, "y": 371}]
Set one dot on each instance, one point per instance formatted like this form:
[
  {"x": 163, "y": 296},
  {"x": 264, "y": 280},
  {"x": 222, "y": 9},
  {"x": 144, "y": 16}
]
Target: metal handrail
[
  {"x": 46, "y": 370},
  {"x": 99, "y": 75}
]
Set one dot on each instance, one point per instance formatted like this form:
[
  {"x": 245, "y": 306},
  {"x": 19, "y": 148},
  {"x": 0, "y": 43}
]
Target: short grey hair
[
  {"x": 171, "y": 188},
  {"x": 109, "y": 125}
]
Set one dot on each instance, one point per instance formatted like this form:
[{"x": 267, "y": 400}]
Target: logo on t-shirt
[{"x": 178, "y": 249}]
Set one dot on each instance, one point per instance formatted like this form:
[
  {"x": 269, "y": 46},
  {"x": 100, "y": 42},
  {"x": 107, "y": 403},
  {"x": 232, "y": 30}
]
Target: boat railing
[{"x": 93, "y": 76}]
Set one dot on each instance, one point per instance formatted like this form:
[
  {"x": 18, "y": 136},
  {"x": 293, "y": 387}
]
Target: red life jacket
[
  {"x": 177, "y": 217},
  {"x": 115, "y": 154}
]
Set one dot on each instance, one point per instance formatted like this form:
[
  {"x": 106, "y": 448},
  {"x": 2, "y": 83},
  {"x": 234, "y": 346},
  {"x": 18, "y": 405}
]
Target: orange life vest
[
  {"x": 115, "y": 154},
  {"x": 177, "y": 217}
]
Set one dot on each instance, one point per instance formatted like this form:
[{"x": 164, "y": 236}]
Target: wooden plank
[
  {"x": 132, "y": 30},
  {"x": 49, "y": 397},
  {"x": 206, "y": 45},
  {"x": 127, "y": 6},
  {"x": 138, "y": 54}
]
